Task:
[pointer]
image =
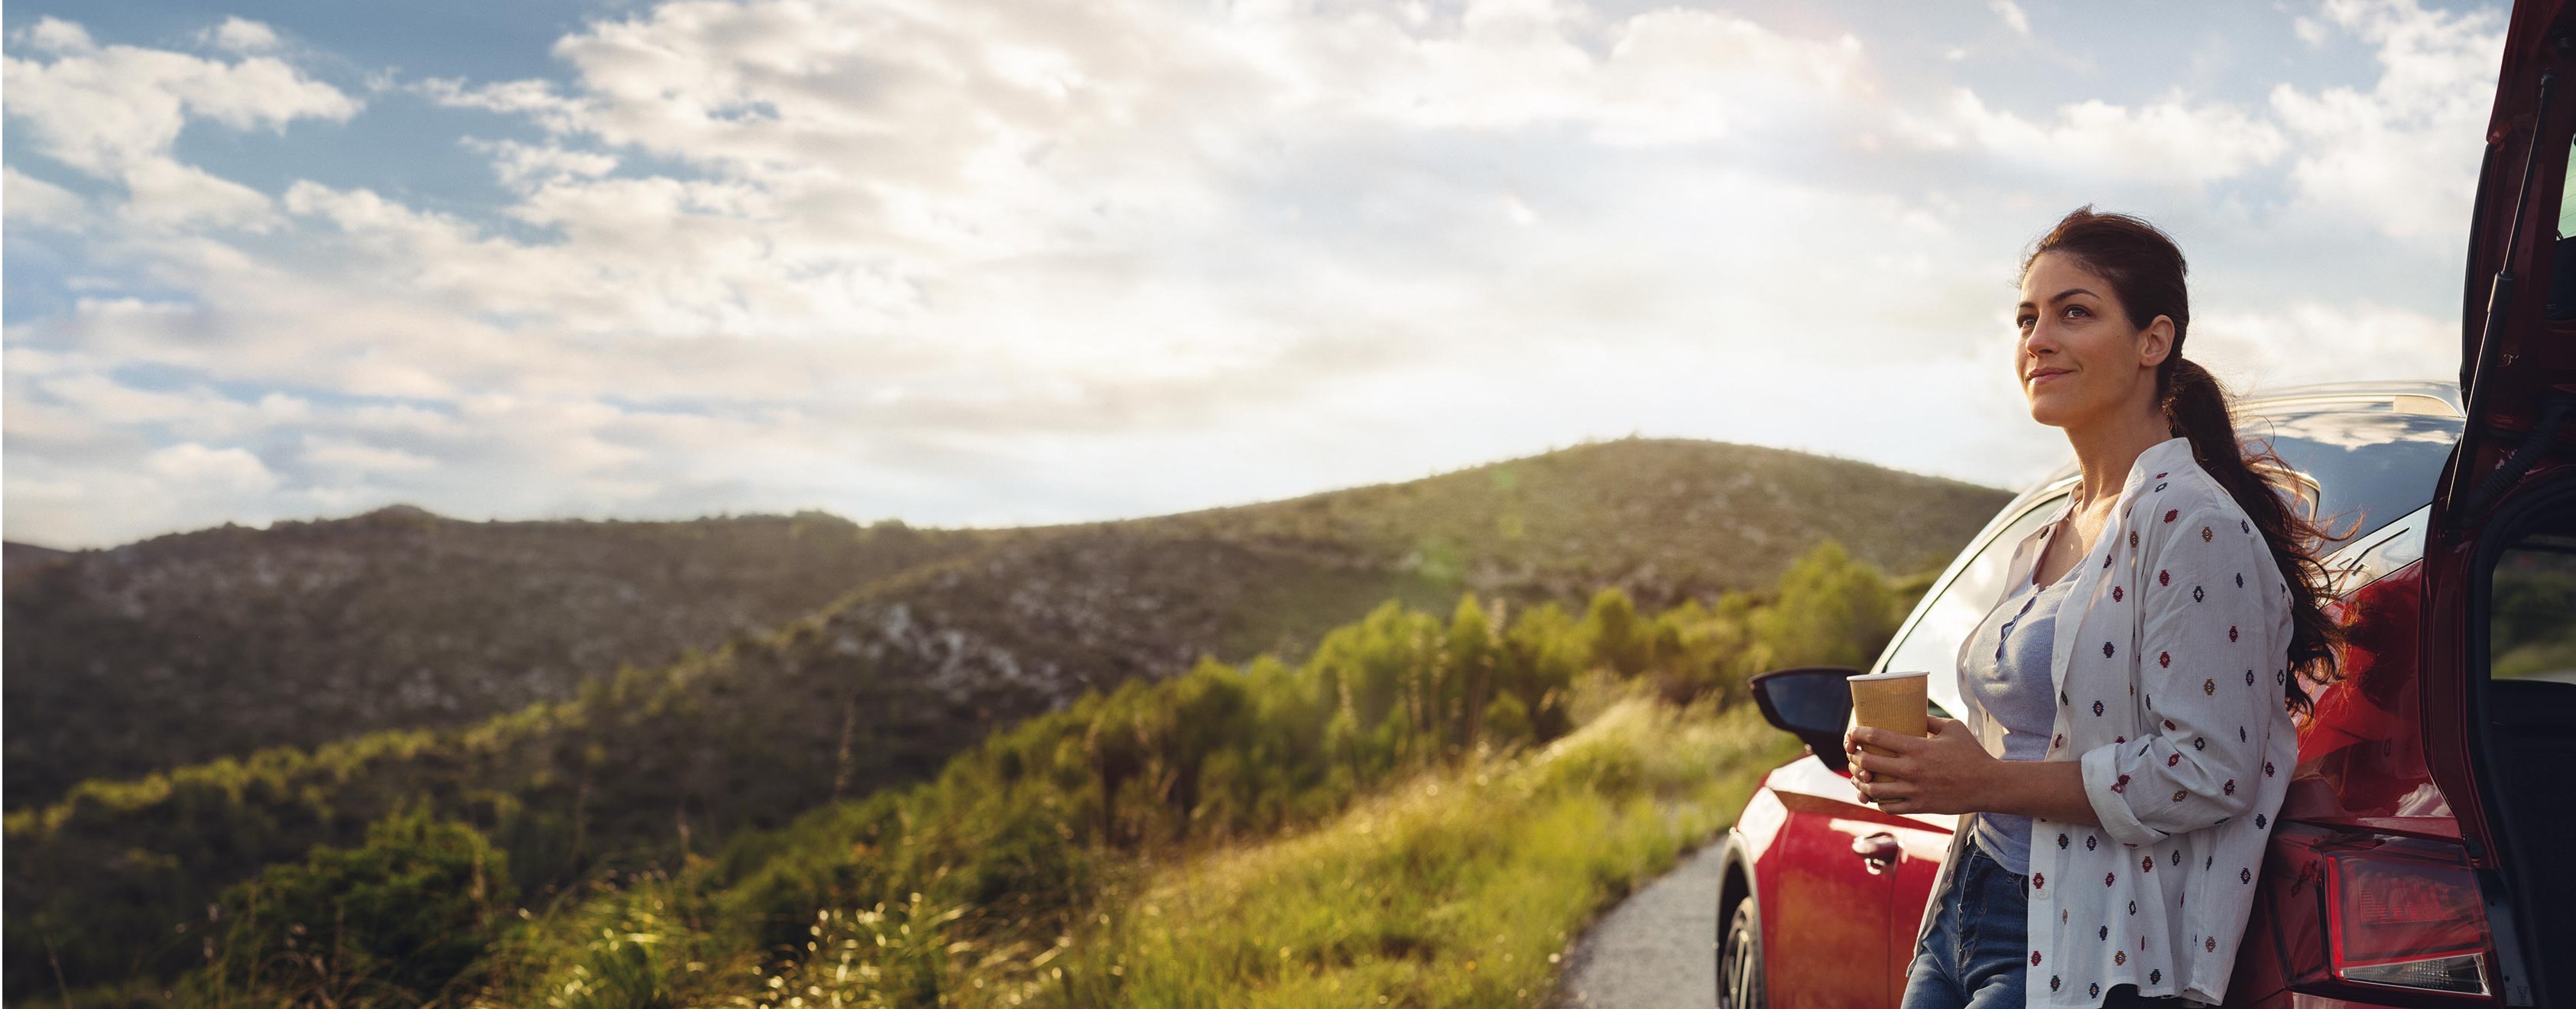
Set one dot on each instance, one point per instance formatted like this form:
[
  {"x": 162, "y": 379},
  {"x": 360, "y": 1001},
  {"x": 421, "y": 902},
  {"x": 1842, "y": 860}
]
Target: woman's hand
[{"x": 1947, "y": 772}]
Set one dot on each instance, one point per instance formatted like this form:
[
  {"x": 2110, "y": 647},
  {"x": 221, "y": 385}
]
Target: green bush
[{"x": 396, "y": 921}]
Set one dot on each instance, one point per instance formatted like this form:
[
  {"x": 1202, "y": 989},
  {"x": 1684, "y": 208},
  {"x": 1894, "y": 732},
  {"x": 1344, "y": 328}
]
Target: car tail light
[{"x": 2406, "y": 913}]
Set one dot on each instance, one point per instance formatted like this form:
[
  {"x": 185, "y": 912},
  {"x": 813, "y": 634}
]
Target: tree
[
  {"x": 1620, "y": 641},
  {"x": 1468, "y": 656},
  {"x": 1833, "y": 611}
]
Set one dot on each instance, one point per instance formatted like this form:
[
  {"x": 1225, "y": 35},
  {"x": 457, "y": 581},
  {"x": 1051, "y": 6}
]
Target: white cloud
[
  {"x": 165, "y": 193},
  {"x": 532, "y": 98},
  {"x": 225, "y": 469},
  {"x": 2307, "y": 341},
  {"x": 2172, "y": 141},
  {"x": 104, "y": 111},
  {"x": 182, "y": 485},
  {"x": 240, "y": 35},
  {"x": 114, "y": 113},
  {"x": 523, "y": 166},
  {"x": 1660, "y": 77},
  {"x": 2402, "y": 156},
  {"x": 2012, "y": 15},
  {"x": 37, "y": 203},
  {"x": 356, "y": 458},
  {"x": 54, "y": 35}
]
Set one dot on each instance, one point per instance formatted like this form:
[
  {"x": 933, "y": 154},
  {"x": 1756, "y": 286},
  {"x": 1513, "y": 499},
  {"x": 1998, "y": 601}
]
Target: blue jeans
[
  {"x": 1977, "y": 949},
  {"x": 1974, "y": 955}
]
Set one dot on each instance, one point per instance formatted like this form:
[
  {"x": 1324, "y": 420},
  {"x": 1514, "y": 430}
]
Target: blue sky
[{"x": 1009, "y": 261}]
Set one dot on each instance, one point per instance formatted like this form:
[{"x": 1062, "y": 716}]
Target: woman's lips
[{"x": 2046, "y": 375}]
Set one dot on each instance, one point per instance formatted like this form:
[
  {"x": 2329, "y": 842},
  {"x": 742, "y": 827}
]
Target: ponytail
[
  {"x": 2196, "y": 408},
  {"x": 2145, "y": 268}
]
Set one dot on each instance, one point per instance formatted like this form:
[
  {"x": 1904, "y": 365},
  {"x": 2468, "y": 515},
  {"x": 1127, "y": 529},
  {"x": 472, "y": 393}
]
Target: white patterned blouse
[{"x": 2171, "y": 653}]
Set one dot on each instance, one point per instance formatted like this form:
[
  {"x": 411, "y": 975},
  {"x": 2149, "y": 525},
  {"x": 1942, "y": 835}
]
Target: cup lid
[{"x": 1891, "y": 676}]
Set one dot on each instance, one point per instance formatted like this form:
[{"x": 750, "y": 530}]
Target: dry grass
[{"x": 1462, "y": 887}]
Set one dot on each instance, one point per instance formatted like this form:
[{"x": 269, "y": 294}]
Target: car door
[
  {"x": 1827, "y": 885},
  {"x": 1930, "y": 639},
  {"x": 2500, "y": 730}
]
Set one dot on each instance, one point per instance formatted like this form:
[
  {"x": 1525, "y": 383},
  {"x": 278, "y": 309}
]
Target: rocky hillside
[{"x": 197, "y": 645}]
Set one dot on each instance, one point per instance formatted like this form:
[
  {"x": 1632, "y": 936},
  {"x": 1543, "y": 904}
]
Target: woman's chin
[{"x": 2047, "y": 412}]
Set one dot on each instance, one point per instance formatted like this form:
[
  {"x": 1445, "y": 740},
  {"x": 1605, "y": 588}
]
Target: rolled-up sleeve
[{"x": 2208, "y": 653}]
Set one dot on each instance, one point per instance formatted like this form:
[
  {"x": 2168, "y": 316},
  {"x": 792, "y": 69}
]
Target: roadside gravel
[{"x": 1657, "y": 949}]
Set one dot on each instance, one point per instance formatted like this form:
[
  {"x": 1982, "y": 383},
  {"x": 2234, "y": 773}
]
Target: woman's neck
[{"x": 2105, "y": 451}]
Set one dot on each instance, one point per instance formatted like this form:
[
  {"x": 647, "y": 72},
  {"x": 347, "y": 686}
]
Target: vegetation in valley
[{"x": 1149, "y": 835}]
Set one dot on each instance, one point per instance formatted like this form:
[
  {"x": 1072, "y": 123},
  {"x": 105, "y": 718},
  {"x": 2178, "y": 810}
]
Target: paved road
[{"x": 1657, "y": 949}]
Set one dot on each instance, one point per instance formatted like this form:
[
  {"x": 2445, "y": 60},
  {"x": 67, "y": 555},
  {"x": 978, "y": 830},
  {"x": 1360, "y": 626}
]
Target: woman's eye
[
  {"x": 2025, "y": 322},
  {"x": 2076, "y": 312}
]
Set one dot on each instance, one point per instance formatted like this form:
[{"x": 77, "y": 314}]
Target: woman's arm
[
  {"x": 2211, "y": 659},
  {"x": 2209, "y": 676},
  {"x": 1950, "y": 773}
]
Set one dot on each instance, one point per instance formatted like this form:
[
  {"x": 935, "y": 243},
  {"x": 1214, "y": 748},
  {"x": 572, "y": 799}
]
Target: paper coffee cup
[{"x": 1892, "y": 701}]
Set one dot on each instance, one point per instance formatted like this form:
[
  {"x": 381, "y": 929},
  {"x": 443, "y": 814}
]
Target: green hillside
[
  {"x": 198, "y": 645},
  {"x": 215, "y": 643}
]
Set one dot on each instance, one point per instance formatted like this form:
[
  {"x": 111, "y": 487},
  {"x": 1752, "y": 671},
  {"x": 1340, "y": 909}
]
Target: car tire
[{"x": 1739, "y": 960}]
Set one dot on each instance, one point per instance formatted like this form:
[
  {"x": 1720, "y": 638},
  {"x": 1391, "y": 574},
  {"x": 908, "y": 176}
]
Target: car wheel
[{"x": 1739, "y": 960}]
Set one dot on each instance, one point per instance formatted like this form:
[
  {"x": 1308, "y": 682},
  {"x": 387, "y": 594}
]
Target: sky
[{"x": 996, "y": 262}]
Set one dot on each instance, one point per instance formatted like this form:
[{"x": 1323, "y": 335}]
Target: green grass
[{"x": 1460, "y": 887}]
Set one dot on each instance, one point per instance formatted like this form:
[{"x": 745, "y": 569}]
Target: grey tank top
[{"x": 2007, "y": 679}]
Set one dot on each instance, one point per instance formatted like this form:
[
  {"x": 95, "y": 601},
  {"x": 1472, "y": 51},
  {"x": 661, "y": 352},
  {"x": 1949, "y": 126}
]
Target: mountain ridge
[{"x": 190, "y": 646}]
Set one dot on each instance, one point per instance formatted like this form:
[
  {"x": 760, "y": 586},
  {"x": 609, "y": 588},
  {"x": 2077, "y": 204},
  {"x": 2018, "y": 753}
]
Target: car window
[
  {"x": 2531, "y": 629},
  {"x": 2361, "y": 465},
  {"x": 1946, "y": 620}
]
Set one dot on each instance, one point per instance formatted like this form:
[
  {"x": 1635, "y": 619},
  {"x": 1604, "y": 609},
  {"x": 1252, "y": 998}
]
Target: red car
[{"x": 2416, "y": 859}]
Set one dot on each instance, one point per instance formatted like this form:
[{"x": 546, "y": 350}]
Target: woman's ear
[{"x": 2156, "y": 343}]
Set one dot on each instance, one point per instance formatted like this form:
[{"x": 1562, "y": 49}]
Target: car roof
[
  {"x": 2408, "y": 397},
  {"x": 2403, "y": 397}
]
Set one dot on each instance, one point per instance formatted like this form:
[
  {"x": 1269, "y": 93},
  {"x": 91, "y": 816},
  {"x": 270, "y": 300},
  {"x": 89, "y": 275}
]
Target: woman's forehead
[{"x": 2053, "y": 272}]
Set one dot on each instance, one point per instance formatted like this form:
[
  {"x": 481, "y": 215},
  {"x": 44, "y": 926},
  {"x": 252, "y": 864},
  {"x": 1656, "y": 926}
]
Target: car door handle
[{"x": 1879, "y": 850}]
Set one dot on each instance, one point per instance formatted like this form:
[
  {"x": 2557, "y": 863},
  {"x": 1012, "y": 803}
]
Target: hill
[
  {"x": 21, "y": 555},
  {"x": 1662, "y": 520},
  {"x": 197, "y": 645},
  {"x": 194, "y": 646}
]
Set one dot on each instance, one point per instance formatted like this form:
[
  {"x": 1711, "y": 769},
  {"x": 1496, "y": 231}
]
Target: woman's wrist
[{"x": 2050, "y": 790}]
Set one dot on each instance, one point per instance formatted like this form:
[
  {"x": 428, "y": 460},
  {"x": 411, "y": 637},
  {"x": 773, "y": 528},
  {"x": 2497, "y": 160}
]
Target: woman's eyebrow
[{"x": 2061, "y": 296}]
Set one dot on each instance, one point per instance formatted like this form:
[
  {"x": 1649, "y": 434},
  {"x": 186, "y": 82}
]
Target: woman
[{"x": 2128, "y": 737}]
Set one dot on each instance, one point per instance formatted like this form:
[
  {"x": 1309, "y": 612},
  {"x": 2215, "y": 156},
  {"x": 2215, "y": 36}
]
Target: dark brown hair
[{"x": 2145, "y": 270}]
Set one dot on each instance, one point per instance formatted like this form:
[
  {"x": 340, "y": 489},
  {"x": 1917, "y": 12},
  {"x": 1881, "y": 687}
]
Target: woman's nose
[{"x": 2038, "y": 340}]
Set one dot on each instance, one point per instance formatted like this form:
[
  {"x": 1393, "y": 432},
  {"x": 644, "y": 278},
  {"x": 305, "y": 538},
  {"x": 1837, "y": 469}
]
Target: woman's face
[{"x": 2079, "y": 359}]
